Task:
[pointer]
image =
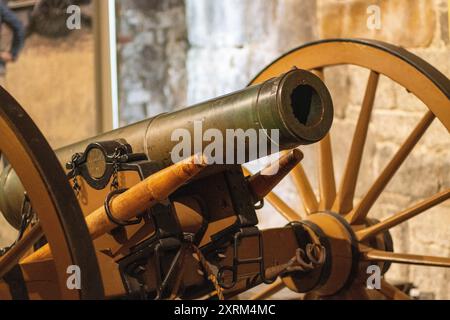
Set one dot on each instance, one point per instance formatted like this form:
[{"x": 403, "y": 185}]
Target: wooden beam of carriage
[
  {"x": 129, "y": 204},
  {"x": 262, "y": 183}
]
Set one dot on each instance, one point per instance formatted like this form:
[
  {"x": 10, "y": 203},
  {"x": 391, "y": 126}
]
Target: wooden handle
[
  {"x": 263, "y": 182},
  {"x": 135, "y": 200}
]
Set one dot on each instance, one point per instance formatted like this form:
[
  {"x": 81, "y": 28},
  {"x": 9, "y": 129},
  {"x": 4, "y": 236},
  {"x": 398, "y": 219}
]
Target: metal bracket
[
  {"x": 16, "y": 282},
  {"x": 110, "y": 215},
  {"x": 165, "y": 244},
  {"x": 238, "y": 236},
  {"x": 242, "y": 204},
  {"x": 116, "y": 154}
]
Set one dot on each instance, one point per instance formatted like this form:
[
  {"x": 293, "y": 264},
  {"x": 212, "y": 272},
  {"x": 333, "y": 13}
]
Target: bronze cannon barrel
[{"x": 297, "y": 105}]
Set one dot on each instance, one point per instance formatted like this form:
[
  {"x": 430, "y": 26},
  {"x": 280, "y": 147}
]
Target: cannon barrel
[{"x": 297, "y": 105}]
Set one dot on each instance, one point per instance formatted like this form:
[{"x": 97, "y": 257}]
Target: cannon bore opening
[{"x": 306, "y": 105}]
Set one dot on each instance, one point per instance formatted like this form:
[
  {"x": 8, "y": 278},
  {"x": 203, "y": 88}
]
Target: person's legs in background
[{"x": 2, "y": 73}]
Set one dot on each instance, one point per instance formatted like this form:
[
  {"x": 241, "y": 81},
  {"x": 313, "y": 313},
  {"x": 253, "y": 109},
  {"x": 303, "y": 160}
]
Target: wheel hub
[{"x": 342, "y": 266}]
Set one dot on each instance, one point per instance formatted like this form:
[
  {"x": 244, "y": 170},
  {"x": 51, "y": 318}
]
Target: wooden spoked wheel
[
  {"x": 59, "y": 217},
  {"x": 355, "y": 241}
]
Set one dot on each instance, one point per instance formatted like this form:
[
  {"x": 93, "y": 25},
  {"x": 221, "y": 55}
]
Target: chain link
[
  {"x": 211, "y": 276},
  {"x": 74, "y": 165},
  {"x": 118, "y": 152},
  {"x": 304, "y": 260}
]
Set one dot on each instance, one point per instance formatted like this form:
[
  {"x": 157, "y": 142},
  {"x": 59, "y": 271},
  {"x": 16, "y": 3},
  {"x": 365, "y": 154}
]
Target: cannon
[
  {"x": 146, "y": 203},
  {"x": 297, "y": 108},
  {"x": 164, "y": 209}
]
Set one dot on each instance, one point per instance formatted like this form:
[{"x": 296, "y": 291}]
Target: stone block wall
[
  {"x": 232, "y": 40},
  {"x": 152, "y": 47}
]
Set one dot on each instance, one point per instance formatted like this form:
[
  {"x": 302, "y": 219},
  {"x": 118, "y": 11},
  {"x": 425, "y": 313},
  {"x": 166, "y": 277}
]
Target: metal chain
[
  {"x": 115, "y": 175},
  {"x": 304, "y": 260},
  {"x": 76, "y": 186},
  {"x": 73, "y": 164},
  {"x": 211, "y": 276},
  {"x": 115, "y": 179}
]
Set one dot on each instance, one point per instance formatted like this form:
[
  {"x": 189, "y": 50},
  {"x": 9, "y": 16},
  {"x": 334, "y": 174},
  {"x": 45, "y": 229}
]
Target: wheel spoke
[
  {"x": 305, "y": 190},
  {"x": 12, "y": 257},
  {"x": 405, "y": 258},
  {"x": 269, "y": 290},
  {"x": 400, "y": 217},
  {"x": 344, "y": 200},
  {"x": 281, "y": 206},
  {"x": 391, "y": 292},
  {"x": 327, "y": 184},
  {"x": 362, "y": 209}
]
